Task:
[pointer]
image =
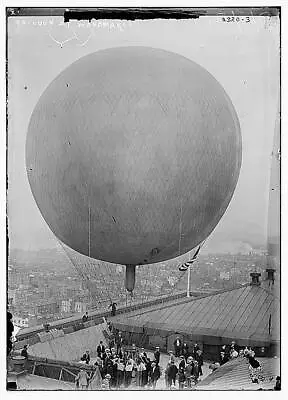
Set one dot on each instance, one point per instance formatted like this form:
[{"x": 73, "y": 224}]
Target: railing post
[{"x": 34, "y": 367}]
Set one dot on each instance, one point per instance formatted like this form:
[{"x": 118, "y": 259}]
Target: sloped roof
[
  {"x": 70, "y": 347},
  {"x": 34, "y": 382},
  {"x": 234, "y": 375},
  {"x": 241, "y": 313}
]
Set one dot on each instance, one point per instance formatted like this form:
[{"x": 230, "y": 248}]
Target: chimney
[
  {"x": 255, "y": 278},
  {"x": 18, "y": 364},
  {"x": 270, "y": 274}
]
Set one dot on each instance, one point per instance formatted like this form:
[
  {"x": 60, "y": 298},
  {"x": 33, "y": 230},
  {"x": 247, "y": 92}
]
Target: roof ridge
[{"x": 181, "y": 301}]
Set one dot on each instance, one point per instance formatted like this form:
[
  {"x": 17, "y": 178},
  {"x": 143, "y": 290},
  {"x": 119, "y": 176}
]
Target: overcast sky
[{"x": 242, "y": 56}]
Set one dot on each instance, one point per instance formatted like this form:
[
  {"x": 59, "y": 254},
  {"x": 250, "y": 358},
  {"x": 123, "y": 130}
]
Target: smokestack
[
  {"x": 255, "y": 278},
  {"x": 270, "y": 275},
  {"x": 18, "y": 363}
]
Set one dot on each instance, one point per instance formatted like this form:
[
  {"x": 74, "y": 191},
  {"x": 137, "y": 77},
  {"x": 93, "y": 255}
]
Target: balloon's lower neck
[{"x": 130, "y": 277}]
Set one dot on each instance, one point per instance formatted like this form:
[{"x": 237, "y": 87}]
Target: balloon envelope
[{"x": 133, "y": 155}]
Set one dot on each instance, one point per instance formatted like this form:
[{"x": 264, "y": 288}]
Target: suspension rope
[
  {"x": 89, "y": 230},
  {"x": 180, "y": 228},
  {"x": 80, "y": 269}
]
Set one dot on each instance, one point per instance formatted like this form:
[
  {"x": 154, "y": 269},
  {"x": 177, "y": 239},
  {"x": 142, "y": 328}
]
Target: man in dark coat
[
  {"x": 177, "y": 346},
  {"x": 113, "y": 307},
  {"x": 195, "y": 371},
  {"x": 223, "y": 358},
  {"x": 157, "y": 355},
  {"x": 85, "y": 317},
  {"x": 189, "y": 372},
  {"x": 171, "y": 374},
  {"x": 225, "y": 349},
  {"x": 114, "y": 373},
  {"x": 199, "y": 359},
  {"x": 143, "y": 355},
  {"x": 185, "y": 351},
  {"x": 110, "y": 327},
  {"x": 233, "y": 347},
  {"x": 119, "y": 341},
  {"x": 24, "y": 352},
  {"x": 154, "y": 374},
  {"x": 195, "y": 349},
  {"x": 182, "y": 364},
  {"x": 108, "y": 366},
  {"x": 86, "y": 357},
  {"x": 100, "y": 350},
  {"x": 146, "y": 373}
]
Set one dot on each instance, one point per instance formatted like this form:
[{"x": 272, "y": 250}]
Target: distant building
[
  {"x": 10, "y": 301},
  {"x": 12, "y": 297},
  {"x": 80, "y": 306},
  {"x": 225, "y": 275},
  {"x": 20, "y": 321},
  {"x": 66, "y": 305},
  {"x": 259, "y": 252},
  {"x": 70, "y": 292},
  {"x": 47, "y": 308},
  {"x": 172, "y": 280},
  {"x": 16, "y": 278}
]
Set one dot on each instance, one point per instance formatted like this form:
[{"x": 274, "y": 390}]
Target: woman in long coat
[
  {"x": 255, "y": 370},
  {"x": 95, "y": 382}
]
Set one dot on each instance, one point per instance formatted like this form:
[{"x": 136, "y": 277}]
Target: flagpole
[{"x": 188, "y": 282}]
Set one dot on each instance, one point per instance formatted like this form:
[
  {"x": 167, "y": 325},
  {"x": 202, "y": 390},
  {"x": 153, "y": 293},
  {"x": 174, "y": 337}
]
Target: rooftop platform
[{"x": 249, "y": 314}]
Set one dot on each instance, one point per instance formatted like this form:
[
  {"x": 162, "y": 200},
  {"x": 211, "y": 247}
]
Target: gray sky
[{"x": 243, "y": 57}]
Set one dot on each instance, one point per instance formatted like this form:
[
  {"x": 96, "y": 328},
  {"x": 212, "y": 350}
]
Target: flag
[{"x": 186, "y": 265}]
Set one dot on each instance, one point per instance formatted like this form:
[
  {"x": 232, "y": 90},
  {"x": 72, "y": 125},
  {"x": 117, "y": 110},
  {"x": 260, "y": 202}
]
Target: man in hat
[
  {"x": 195, "y": 349},
  {"x": 143, "y": 354},
  {"x": 100, "y": 350},
  {"x": 113, "y": 307},
  {"x": 182, "y": 363},
  {"x": 223, "y": 358},
  {"x": 199, "y": 359},
  {"x": 157, "y": 355},
  {"x": 189, "y": 371},
  {"x": 85, "y": 317},
  {"x": 171, "y": 374},
  {"x": 154, "y": 374},
  {"x": 177, "y": 346},
  {"x": 185, "y": 350},
  {"x": 234, "y": 348},
  {"x": 119, "y": 340},
  {"x": 171, "y": 356},
  {"x": 86, "y": 357}
]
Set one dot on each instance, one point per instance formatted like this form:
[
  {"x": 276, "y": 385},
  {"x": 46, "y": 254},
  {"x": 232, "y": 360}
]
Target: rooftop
[
  {"x": 34, "y": 382},
  {"x": 249, "y": 313},
  {"x": 234, "y": 375}
]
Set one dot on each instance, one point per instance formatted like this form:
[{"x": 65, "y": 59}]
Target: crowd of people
[
  {"x": 117, "y": 366},
  {"x": 232, "y": 351}
]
